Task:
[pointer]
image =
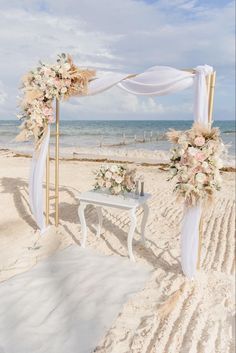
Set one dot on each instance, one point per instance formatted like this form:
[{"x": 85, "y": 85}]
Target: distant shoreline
[{"x": 143, "y": 159}]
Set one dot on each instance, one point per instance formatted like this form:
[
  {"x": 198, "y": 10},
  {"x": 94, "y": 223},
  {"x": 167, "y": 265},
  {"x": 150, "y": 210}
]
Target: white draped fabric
[
  {"x": 190, "y": 239},
  {"x": 36, "y": 182},
  {"x": 156, "y": 81},
  {"x": 192, "y": 216}
]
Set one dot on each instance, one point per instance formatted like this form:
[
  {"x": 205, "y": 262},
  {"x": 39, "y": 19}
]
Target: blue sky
[{"x": 124, "y": 35}]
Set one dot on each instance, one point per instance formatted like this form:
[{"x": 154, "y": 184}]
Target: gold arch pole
[
  {"x": 211, "y": 79},
  {"x": 47, "y": 185},
  {"x": 56, "y": 176},
  {"x": 57, "y": 165}
]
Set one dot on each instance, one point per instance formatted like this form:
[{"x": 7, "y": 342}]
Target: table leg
[
  {"x": 83, "y": 223},
  {"x": 144, "y": 221},
  {"x": 99, "y": 228},
  {"x": 133, "y": 224}
]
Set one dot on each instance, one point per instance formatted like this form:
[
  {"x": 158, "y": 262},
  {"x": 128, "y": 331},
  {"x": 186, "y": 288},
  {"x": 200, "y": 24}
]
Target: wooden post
[
  {"x": 57, "y": 166},
  {"x": 211, "y": 90},
  {"x": 211, "y": 97}
]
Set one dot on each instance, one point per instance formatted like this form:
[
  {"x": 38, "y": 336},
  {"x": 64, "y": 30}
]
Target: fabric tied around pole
[
  {"x": 190, "y": 239},
  {"x": 192, "y": 215},
  {"x": 36, "y": 182},
  {"x": 201, "y": 94}
]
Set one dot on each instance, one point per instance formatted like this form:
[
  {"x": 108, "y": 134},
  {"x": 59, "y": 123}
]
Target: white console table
[{"x": 128, "y": 202}]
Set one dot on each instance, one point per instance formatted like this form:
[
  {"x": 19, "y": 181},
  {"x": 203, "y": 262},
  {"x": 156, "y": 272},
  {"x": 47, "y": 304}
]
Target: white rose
[
  {"x": 205, "y": 165},
  {"x": 173, "y": 171},
  {"x": 181, "y": 151},
  {"x": 117, "y": 189},
  {"x": 63, "y": 90},
  {"x": 114, "y": 169},
  {"x": 192, "y": 151},
  {"x": 200, "y": 177},
  {"x": 108, "y": 175},
  {"x": 184, "y": 177},
  {"x": 108, "y": 184},
  {"x": 119, "y": 180}
]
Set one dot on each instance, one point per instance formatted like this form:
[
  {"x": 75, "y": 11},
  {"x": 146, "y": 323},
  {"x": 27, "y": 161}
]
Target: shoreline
[{"x": 138, "y": 157}]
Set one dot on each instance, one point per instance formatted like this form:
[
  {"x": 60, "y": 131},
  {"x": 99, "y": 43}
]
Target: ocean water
[{"x": 145, "y": 134}]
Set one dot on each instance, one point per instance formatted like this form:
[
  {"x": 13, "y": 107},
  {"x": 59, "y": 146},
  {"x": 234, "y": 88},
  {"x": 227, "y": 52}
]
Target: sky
[{"x": 122, "y": 35}]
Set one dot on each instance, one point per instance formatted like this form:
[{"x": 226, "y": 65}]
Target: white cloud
[{"x": 125, "y": 35}]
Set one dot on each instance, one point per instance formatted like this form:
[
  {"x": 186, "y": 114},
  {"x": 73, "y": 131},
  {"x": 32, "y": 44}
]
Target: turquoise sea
[{"x": 111, "y": 133}]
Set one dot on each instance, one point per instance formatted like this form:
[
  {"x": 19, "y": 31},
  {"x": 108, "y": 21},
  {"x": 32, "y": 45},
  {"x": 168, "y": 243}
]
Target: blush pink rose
[
  {"x": 184, "y": 160},
  {"x": 47, "y": 111},
  {"x": 197, "y": 170},
  {"x": 57, "y": 82},
  {"x": 200, "y": 156},
  {"x": 199, "y": 141},
  {"x": 51, "y": 119},
  {"x": 47, "y": 71}
]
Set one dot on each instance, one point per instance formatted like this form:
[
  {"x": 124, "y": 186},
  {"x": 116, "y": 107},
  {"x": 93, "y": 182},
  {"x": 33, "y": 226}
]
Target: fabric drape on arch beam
[{"x": 156, "y": 81}]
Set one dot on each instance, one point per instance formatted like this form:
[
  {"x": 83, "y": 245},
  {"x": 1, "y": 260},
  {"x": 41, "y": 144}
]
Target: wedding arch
[{"x": 48, "y": 83}]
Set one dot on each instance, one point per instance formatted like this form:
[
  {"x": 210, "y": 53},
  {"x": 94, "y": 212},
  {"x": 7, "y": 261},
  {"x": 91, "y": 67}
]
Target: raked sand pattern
[{"x": 171, "y": 314}]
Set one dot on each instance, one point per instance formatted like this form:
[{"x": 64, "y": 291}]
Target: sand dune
[{"x": 171, "y": 314}]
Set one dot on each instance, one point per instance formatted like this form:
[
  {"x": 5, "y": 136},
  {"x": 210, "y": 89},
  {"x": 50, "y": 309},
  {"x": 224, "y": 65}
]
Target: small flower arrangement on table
[
  {"x": 195, "y": 163},
  {"x": 117, "y": 179}
]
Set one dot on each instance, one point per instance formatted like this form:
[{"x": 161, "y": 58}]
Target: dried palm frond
[
  {"x": 207, "y": 132},
  {"x": 173, "y": 135},
  {"x": 32, "y": 94},
  {"x": 171, "y": 302}
]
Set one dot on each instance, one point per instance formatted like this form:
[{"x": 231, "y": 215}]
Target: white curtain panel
[
  {"x": 192, "y": 215},
  {"x": 156, "y": 81},
  {"x": 190, "y": 239},
  {"x": 36, "y": 194}
]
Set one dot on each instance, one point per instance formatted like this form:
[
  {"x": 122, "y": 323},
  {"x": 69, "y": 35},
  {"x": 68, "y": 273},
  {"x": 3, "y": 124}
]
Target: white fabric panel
[
  {"x": 190, "y": 239},
  {"x": 192, "y": 216},
  {"x": 201, "y": 94},
  {"x": 36, "y": 182},
  {"x": 104, "y": 81},
  {"x": 158, "y": 81}
]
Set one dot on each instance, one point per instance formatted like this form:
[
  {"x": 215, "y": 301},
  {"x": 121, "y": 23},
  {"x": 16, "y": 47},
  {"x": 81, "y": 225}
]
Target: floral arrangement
[
  {"x": 195, "y": 162},
  {"x": 41, "y": 86},
  {"x": 115, "y": 178}
]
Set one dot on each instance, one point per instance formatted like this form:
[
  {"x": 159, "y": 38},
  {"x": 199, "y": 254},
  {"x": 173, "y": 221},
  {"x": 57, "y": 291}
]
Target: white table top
[{"x": 127, "y": 201}]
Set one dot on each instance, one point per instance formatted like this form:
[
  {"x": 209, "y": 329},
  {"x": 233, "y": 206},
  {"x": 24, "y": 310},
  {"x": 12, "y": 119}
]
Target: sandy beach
[{"x": 171, "y": 314}]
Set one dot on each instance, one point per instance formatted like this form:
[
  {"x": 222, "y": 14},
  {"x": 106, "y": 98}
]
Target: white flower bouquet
[
  {"x": 115, "y": 178},
  {"x": 195, "y": 162}
]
